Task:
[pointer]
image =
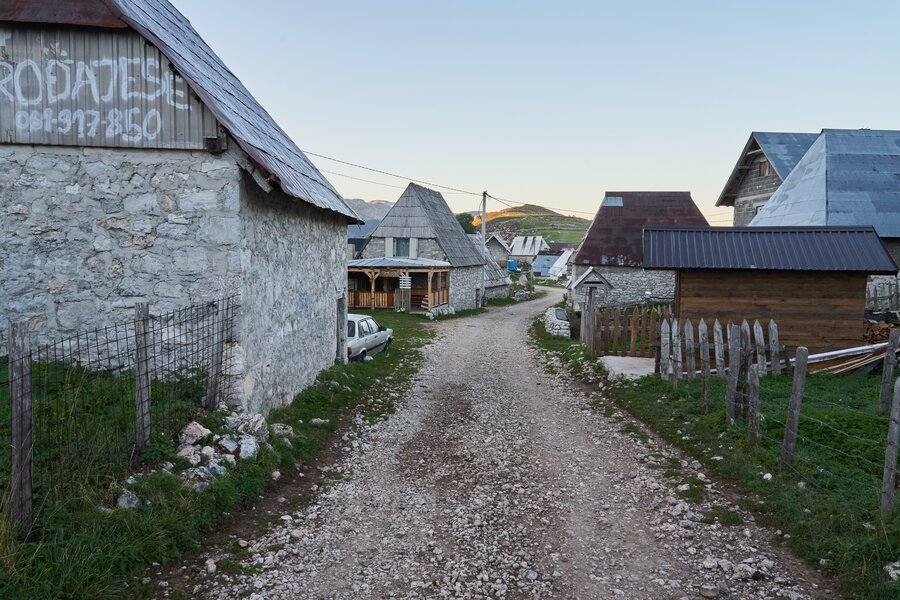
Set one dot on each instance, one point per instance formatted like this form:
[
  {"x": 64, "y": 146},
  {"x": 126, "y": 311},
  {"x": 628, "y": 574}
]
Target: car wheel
[
  {"x": 387, "y": 344},
  {"x": 362, "y": 356}
]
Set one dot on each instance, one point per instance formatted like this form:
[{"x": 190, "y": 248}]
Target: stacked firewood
[{"x": 877, "y": 332}]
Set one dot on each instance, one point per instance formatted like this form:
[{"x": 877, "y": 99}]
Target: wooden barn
[{"x": 809, "y": 280}]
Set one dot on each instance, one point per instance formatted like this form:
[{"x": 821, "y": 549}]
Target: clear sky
[{"x": 554, "y": 103}]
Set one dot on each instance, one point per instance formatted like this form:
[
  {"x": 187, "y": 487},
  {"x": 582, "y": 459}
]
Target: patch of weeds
[
  {"x": 634, "y": 430},
  {"x": 723, "y": 516}
]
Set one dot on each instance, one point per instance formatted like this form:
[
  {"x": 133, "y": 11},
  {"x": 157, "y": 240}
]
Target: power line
[{"x": 399, "y": 187}]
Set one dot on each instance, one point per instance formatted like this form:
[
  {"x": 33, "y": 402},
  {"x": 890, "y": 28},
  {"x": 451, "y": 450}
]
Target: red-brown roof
[{"x": 616, "y": 237}]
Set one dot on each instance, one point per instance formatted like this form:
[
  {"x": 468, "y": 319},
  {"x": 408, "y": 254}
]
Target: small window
[
  {"x": 401, "y": 247},
  {"x": 764, "y": 168},
  {"x": 351, "y": 329},
  {"x": 364, "y": 328},
  {"x": 373, "y": 326}
]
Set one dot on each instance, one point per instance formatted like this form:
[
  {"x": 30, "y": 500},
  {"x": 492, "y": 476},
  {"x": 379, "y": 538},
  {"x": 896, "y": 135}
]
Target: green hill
[{"x": 536, "y": 220}]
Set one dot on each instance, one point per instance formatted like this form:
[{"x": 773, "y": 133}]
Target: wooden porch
[{"x": 379, "y": 288}]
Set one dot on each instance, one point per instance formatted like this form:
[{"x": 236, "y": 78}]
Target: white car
[{"x": 365, "y": 337}]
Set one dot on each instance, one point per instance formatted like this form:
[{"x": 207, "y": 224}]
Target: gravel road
[{"x": 496, "y": 480}]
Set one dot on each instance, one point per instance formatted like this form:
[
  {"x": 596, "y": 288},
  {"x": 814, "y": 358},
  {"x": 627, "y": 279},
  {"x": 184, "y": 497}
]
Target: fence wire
[{"x": 84, "y": 390}]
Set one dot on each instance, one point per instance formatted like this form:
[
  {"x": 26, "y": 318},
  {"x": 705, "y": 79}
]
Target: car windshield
[{"x": 351, "y": 329}]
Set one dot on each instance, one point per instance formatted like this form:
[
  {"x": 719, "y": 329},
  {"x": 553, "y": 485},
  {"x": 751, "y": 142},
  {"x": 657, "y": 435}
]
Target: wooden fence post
[
  {"x": 141, "y": 376},
  {"x": 720, "y": 350},
  {"x": 789, "y": 445},
  {"x": 676, "y": 351},
  {"x": 746, "y": 361},
  {"x": 774, "y": 347},
  {"x": 753, "y": 404},
  {"x": 21, "y": 436},
  {"x": 889, "y": 488},
  {"x": 887, "y": 370},
  {"x": 760, "y": 341},
  {"x": 665, "y": 337},
  {"x": 615, "y": 333},
  {"x": 635, "y": 316},
  {"x": 734, "y": 366},
  {"x": 215, "y": 363},
  {"x": 703, "y": 333},
  {"x": 689, "y": 349}
]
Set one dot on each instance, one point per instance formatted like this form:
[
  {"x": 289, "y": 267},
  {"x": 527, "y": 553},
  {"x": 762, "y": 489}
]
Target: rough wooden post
[
  {"x": 141, "y": 376},
  {"x": 20, "y": 500},
  {"x": 734, "y": 366},
  {"x": 676, "y": 351},
  {"x": 774, "y": 348},
  {"x": 889, "y": 487},
  {"x": 789, "y": 445},
  {"x": 635, "y": 320},
  {"x": 615, "y": 333},
  {"x": 753, "y": 404},
  {"x": 215, "y": 363},
  {"x": 665, "y": 337},
  {"x": 720, "y": 350},
  {"x": 689, "y": 364},
  {"x": 887, "y": 370},
  {"x": 760, "y": 341},
  {"x": 746, "y": 361},
  {"x": 704, "y": 366}
]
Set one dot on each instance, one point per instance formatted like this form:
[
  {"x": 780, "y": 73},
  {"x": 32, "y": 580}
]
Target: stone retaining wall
[{"x": 556, "y": 326}]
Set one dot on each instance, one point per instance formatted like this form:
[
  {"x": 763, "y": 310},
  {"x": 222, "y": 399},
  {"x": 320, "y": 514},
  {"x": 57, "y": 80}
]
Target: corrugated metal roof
[
  {"x": 615, "y": 236},
  {"x": 528, "y": 245},
  {"x": 543, "y": 262},
  {"x": 247, "y": 122},
  {"x": 396, "y": 263},
  {"x": 848, "y": 177},
  {"x": 767, "y": 248},
  {"x": 783, "y": 150},
  {"x": 422, "y": 213},
  {"x": 562, "y": 263}
]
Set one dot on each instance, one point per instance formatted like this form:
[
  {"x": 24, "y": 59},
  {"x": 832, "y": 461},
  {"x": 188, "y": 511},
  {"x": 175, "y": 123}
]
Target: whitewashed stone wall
[
  {"x": 294, "y": 271},
  {"x": 628, "y": 285},
  {"x": 463, "y": 283},
  {"x": 556, "y": 326},
  {"x": 498, "y": 291},
  {"x": 87, "y": 233}
]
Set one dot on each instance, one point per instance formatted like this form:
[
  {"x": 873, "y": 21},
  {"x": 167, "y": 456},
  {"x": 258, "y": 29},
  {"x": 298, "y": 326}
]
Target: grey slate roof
[
  {"x": 767, "y": 248},
  {"x": 848, "y": 177},
  {"x": 248, "y": 122},
  {"x": 494, "y": 276},
  {"x": 396, "y": 263},
  {"x": 423, "y": 213},
  {"x": 782, "y": 149}
]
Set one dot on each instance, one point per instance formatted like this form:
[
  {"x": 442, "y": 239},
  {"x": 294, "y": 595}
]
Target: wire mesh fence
[{"x": 103, "y": 400}]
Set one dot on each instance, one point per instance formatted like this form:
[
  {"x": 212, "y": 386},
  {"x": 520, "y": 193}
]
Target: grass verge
[
  {"x": 87, "y": 551},
  {"x": 826, "y": 506}
]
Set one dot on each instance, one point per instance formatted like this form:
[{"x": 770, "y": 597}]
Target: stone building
[
  {"x": 421, "y": 239},
  {"x": 612, "y": 248},
  {"x": 135, "y": 167},
  {"x": 497, "y": 248},
  {"x": 766, "y": 161},
  {"x": 496, "y": 277}
]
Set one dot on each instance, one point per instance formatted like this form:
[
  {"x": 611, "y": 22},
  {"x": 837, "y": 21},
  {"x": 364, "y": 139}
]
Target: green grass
[
  {"x": 84, "y": 552},
  {"x": 834, "y": 515}
]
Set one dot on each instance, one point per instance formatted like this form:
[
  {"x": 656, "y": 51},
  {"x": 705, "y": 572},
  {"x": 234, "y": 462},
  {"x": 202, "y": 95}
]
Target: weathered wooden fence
[
  {"x": 883, "y": 295},
  {"x": 625, "y": 331}
]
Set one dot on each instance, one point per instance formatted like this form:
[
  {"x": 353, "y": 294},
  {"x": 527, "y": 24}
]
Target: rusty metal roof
[
  {"x": 271, "y": 149},
  {"x": 767, "y": 248},
  {"x": 616, "y": 235}
]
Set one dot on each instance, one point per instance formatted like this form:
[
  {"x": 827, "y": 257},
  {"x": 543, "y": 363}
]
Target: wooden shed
[{"x": 809, "y": 280}]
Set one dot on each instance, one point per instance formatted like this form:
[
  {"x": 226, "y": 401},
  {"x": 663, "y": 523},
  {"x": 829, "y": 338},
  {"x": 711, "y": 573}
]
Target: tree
[{"x": 466, "y": 221}]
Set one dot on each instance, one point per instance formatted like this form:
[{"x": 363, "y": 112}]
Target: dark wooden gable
[{"x": 86, "y": 13}]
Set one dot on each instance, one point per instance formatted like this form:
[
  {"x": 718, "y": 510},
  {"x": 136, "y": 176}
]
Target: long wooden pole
[
  {"x": 889, "y": 487},
  {"x": 789, "y": 445},
  {"x": 20, "y": 502}
]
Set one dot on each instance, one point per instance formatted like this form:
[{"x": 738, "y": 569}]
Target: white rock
[
  {"x": 210, "y": 566},
  {"x": 893, "y": 570},
  {"x": 249, "y": 447},
  {"x": 318, "y": 422},
  {"x": 192, "y": 433},
  {"x": 128, "y": 499}
]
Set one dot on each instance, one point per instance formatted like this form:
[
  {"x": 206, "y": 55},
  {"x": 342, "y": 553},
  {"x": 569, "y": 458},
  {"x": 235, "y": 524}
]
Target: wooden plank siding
[{"x": 820, "y": 310}]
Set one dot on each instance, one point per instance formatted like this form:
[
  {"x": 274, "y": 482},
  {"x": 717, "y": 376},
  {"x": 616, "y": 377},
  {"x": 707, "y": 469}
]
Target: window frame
[
  {"x": 351, "y": 329},
  {"x": 397, "y": 242}
]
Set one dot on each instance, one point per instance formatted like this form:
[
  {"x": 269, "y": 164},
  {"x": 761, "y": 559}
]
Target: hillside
[
  {"x": 369, "y": 210},
  {"x": 536, "y": 220}
]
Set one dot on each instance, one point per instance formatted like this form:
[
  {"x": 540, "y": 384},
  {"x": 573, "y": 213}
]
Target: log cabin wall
[{"x": 820, "y": 310}]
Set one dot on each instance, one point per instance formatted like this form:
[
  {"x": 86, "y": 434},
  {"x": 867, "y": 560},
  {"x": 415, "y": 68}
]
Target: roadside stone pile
[
  {"x": 210, "y": 454},
  {"x": 443, "y": 309},
  {"x": 554, "y": 325}
]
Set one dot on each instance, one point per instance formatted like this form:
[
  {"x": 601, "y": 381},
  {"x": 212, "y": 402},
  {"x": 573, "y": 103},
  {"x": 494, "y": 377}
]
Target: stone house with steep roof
[{"x": 135, "y": 167}]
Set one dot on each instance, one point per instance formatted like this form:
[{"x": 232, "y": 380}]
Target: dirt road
[{"x": 495, "y": 479}]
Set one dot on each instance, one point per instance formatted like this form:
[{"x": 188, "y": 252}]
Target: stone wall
[
  {"x": 294, "y": 268},
  {"x": 427, "y": 248},
  {"x": 87, "y": 233},
  {"x": 463, "y": 283},
  {"x": 628, "y": 285},
  {"x": 498, "y": 291},
  {"x": 554, "y": 325},
  {"x": 754, "y": 191}
]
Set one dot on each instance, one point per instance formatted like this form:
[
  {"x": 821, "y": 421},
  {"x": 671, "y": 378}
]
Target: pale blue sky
[{"x": 553, "y": 103}]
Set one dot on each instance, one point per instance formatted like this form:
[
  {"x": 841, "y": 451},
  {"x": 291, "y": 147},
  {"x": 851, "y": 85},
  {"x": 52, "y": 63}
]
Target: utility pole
[{"x": 484, "y": 252}]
